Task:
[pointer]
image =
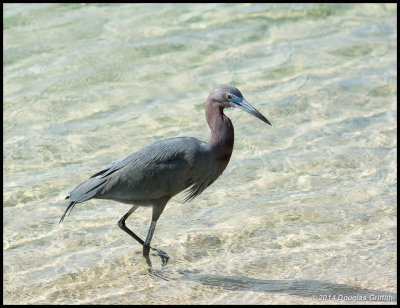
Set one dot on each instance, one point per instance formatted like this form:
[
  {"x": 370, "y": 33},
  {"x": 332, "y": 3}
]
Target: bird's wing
[{"x": 161, "y": 169}]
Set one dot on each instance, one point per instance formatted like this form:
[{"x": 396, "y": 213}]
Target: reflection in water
[
  {"x": 319, "y": 290},
  {"x": 307, "y": 288}
]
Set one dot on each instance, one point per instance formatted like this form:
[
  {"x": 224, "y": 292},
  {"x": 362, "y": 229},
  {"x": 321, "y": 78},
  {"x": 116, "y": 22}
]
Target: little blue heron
[{"x": 156, "y": 173}]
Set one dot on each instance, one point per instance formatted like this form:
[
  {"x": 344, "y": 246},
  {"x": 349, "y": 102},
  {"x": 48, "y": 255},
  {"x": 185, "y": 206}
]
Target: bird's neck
[{"x": 222, "y": 134}]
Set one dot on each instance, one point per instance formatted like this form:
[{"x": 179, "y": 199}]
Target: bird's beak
[{"x": 241, "y": 103}]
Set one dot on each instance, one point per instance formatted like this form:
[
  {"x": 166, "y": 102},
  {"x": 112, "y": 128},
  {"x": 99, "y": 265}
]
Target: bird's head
[{"x": 226, "y": 96}]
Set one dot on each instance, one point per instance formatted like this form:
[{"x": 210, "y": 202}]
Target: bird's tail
[{"x": 69, "y": 208}]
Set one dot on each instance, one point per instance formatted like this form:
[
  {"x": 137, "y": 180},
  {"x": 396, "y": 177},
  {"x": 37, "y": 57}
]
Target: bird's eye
[{"x": 229, "y": 96}]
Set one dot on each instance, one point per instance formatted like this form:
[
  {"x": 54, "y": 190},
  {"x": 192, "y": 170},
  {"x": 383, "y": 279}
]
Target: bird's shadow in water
[
  {"x": 316, "y": 289},
  {"x": 306, "y": 288}
]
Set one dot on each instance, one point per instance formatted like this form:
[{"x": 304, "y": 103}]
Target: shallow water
[{"x": 305, "y": 211}]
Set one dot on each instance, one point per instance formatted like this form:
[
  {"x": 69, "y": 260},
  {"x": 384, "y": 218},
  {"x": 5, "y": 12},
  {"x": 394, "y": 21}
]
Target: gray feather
[{"x": 159, "y": 170}]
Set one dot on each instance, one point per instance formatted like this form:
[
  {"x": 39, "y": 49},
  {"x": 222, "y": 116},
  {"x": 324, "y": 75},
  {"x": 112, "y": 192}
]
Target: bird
[{"x": 151, "y": 176}]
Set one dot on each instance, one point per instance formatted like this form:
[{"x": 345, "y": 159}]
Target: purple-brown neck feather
[{"x": 222, "y": 134}]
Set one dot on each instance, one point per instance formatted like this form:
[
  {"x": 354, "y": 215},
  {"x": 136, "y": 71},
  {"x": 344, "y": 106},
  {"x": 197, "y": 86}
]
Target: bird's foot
[
  {"x": 162, "y": 254},
  {"x": 157, "y": 273}
]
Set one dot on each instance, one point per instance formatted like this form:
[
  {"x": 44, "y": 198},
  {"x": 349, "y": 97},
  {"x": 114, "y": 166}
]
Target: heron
[{"x": 151, "y": 176}]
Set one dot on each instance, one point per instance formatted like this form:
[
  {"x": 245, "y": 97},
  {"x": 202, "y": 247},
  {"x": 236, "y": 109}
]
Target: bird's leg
[
  {"x": 157, "y": 210},
  {"x": 146, "y": 245},
  {"x": 121, "y": 224}
]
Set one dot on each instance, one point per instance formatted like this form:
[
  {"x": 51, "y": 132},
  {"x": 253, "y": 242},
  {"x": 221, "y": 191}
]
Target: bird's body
[{"x": 159, "y": 171}]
